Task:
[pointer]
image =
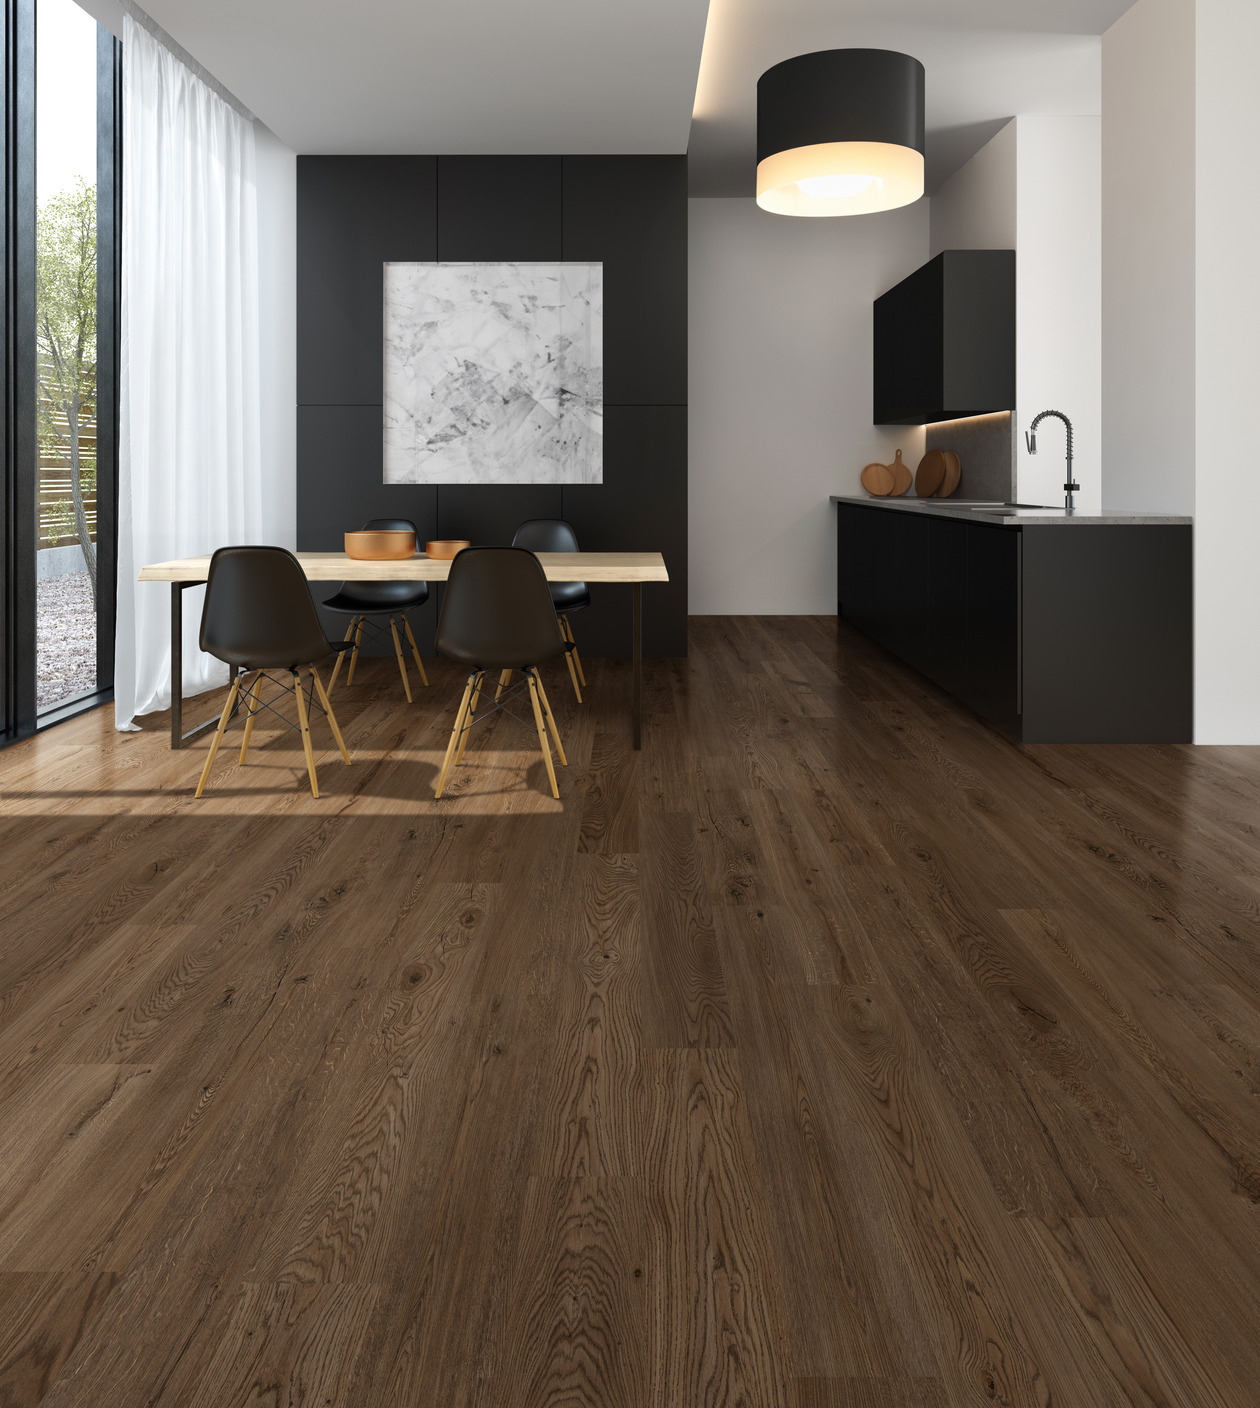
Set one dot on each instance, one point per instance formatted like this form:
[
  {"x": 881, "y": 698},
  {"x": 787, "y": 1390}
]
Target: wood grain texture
[{"x": 831, "y": 1052}]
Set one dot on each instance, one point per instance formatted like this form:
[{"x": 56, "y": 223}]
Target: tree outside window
[{"x": 65, "y": 313}]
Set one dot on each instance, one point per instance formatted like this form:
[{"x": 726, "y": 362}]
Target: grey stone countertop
[{"x": 1008, "y": 515}]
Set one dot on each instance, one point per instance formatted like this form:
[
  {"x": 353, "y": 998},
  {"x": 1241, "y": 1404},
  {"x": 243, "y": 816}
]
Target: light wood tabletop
[{"x": 337, "y": 566}]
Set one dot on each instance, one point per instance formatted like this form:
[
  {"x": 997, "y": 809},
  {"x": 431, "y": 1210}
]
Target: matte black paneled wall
[{"x": 630, "y": 212}]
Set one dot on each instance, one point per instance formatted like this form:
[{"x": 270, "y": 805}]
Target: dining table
[{"x": 633, "y": 568}]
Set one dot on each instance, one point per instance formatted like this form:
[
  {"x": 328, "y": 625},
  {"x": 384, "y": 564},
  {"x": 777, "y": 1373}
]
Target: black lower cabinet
[
  {"x": 1054, "y": 633},
  {"x": 993, "y": 622}
]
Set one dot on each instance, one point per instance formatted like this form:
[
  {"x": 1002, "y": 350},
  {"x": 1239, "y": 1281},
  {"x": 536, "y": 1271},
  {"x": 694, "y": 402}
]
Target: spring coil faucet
[{"x": 1030, "y": 438}]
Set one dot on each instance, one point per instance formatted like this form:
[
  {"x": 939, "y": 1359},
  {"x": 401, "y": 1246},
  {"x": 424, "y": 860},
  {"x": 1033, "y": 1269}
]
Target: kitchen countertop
[{"x": 1004, "y": 514}]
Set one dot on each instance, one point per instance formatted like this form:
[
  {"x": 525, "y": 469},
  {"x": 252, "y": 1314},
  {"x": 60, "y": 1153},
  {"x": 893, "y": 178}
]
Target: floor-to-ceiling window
[
  {"x": 65, "y": 353},
  {"x": 61, "y": 390}
]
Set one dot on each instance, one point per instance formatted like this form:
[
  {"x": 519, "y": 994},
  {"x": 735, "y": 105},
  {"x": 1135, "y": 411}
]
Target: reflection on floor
[{"x": 831, "y": 1051}]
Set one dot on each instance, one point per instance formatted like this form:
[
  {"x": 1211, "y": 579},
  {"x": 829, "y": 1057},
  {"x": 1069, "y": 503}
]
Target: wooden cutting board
[
  {"x": 930, "y": 474},
  {"x": 877, "y": 479},
  {"x": 902, "y": 478},
  {"x": 953, "y": 472}
]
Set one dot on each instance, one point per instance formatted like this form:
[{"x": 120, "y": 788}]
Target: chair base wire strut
[
  {"x": 316, "y": 697},
  {"x": 466, "y": 717}
]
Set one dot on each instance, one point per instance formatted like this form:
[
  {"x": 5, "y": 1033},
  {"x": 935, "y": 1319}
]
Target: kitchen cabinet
[
  {"x": 945, "y": 339},
  {"x": 1055, "y": 634}
]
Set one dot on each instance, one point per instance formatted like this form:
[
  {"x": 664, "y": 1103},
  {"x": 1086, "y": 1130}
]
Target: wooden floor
[{"x": 833, "y": 1052}]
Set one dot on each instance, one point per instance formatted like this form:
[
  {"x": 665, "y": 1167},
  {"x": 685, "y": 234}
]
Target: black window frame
[{"x": 19, "y": 716}]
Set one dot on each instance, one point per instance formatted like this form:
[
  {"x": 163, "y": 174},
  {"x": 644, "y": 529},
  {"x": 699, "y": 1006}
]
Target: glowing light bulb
[{"x": 834, "y": 187}]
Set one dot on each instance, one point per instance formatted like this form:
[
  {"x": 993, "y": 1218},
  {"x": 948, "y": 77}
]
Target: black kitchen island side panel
[
  {"x": 1110, "y": 606},
  {"x": 1055, "y": 634},
  {"x": 627, "y": 212}
]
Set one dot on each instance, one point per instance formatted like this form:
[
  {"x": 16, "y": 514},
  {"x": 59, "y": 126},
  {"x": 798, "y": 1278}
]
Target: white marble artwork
[{"x": 494, "y": 373}]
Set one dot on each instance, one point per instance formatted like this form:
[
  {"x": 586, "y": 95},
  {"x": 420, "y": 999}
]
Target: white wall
[
  {"x": 1227, "y": 372},
  {"x": 1148, "y": 258},
  {"x": 1036, "y": 187},
  {"x": 780, "y": 395},
  {"x": 1058, "y": 303},
  {"x": 277, "y": 331},
  {"x": 975, "y": 208}
]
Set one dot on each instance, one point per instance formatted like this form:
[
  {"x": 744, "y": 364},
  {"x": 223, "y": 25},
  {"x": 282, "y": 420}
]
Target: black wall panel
[
  {"x": 642, "y": 504},
  {"x": 631, "y": 212},
  {"x": 354, "y": 213},
  {"x": 499, "y": 207},
  {"x": 339, "y": 479},
  {"x": 489, "y": 514}
]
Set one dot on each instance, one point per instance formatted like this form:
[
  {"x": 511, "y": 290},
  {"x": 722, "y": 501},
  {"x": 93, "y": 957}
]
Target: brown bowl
[
  {"x": 445, "y": 548},
  {"x": 380, "y": 545}
]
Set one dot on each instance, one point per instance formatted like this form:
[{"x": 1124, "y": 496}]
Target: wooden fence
[{"x": 56, "y": 501}]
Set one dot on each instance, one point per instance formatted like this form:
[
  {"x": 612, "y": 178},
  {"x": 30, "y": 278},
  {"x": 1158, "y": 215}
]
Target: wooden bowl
[
  {"x": 378, "y": 545},
  {"x": 445, "y": 548}
]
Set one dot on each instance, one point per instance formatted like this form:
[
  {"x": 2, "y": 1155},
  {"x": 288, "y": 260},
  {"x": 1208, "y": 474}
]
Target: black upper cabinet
[{"x": 945, "y": 339}]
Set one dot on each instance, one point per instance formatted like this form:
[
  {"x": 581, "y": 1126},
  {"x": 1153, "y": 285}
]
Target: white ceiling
[
  {"x": 986, "y": 61},
  {"x": 538, "y": 76},
  {"x": 453, "y": 76}
]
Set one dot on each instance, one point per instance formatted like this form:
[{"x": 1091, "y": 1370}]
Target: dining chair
[
  {"x": 497, "y": 616},
  {"x": 557, "y": 535},
  {"x": 259, "y": 615},
  {"x": 362, "y": 601}
]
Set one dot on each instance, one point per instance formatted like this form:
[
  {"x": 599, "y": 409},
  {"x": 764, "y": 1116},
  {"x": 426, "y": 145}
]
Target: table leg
[
  {"x": 180, "y": 739},
  {"x": 636, "y": 656},
  {"x": 177, "y": 664}
]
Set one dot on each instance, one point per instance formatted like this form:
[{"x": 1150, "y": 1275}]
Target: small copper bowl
[
  {"x": 377, "y": 545},
  {"x": 445, "y": 548}
]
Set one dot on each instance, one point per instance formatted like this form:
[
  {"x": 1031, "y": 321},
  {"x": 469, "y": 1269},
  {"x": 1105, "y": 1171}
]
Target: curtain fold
[{"x": 190, "y": 445}]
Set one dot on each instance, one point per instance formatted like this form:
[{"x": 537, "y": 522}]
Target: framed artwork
[{"x": 494, "y": 373}]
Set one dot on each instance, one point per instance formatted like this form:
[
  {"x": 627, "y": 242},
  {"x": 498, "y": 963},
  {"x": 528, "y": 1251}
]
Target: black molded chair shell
[
  {"x": 497, "y": 613},
  {"x": 554, "y": 535},
  {"x": 359, "y": 598},
  {"x": 259, "y": 613}
]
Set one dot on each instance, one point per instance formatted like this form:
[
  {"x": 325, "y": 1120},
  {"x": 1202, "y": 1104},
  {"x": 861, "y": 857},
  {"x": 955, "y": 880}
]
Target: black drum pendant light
[{"x": 840, "y": 132}]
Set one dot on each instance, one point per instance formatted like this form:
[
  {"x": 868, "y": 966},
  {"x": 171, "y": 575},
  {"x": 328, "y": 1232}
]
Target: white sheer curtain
[{"x": 190, "y": 442}]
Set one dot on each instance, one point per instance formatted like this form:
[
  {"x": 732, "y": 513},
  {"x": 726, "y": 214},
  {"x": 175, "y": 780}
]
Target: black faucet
[{"x": 1030, "y": 438}]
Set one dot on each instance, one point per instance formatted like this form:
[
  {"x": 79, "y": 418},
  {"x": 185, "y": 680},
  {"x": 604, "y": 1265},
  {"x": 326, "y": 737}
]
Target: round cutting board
[
  {"x": 902, "y": 478},
  {"x": 953, "y": 472},
  {"x": 930, "y": 474},
  {"x": 877, "y": 479}
]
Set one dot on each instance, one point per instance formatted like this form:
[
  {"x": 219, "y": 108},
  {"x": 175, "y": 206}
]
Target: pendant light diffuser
[{"x": 840, "y": 132}]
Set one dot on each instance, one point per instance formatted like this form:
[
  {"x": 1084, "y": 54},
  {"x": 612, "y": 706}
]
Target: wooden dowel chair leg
[
  {"x": 254, "y": 697},
  {"x": 551, "y": 722},
  {"x": 354, "y": 657},
  {"x": 305, "y": 724},
  {"x": 341, "y": 654},
  {"x": 455, "y": 736},
  {"x": 472, "y": 709},
  {"x": 219, "y": 732},
  {"x": 402, "y": 664},
  {"x": 542, "y": 731},
  {"x": 332, "y": 718},
  {"x": 411, "y": 640},
  {"x": 575, "y": 653},
  {"x": 504, "y": 677},
  {"x": 577, "y": 688}
]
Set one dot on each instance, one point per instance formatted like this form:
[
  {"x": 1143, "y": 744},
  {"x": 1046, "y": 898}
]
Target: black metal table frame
[{"x": 180, "y": 739}]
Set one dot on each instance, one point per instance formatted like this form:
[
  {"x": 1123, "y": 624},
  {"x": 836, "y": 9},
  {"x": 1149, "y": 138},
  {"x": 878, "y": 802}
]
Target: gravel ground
[{"x": 65, "y": 639}]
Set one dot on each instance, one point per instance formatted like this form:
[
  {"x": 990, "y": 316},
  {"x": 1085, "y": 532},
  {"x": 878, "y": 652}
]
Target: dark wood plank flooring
[{"x": 832, "y": 1052}]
